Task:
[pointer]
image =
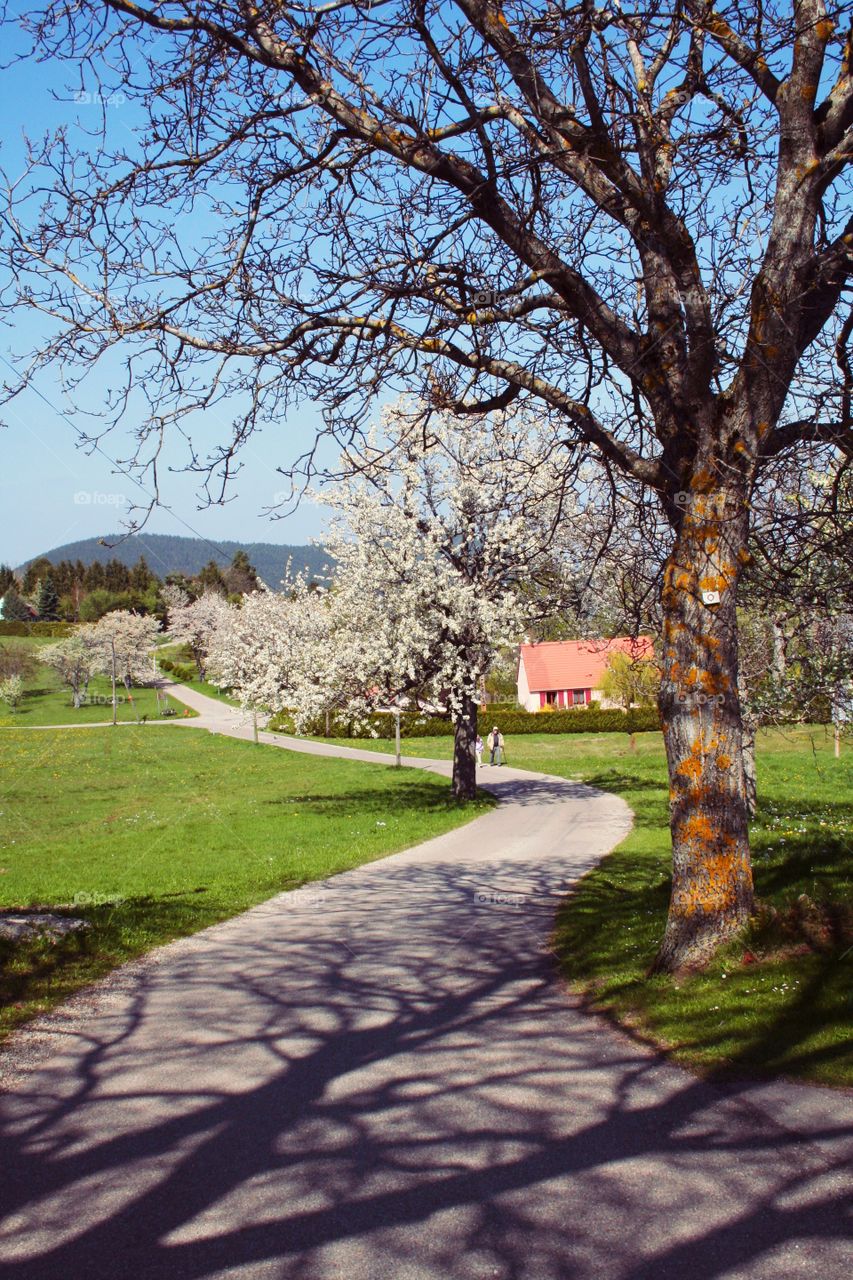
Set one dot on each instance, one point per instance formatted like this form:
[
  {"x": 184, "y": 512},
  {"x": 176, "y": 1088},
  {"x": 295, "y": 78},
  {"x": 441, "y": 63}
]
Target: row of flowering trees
[{"x": 444, "y": 537}]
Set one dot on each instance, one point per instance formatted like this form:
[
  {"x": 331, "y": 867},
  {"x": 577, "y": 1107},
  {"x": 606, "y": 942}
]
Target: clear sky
[{"x": 51, "y": 490}]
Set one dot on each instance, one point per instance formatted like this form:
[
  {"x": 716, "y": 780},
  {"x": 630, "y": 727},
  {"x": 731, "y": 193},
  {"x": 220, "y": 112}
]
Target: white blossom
[
  {"x": 131, "y": 636},
  {"x": 194, "y": 622},
  {"x": 75, "y": 659},
  {"x": 264, "y": 649}
]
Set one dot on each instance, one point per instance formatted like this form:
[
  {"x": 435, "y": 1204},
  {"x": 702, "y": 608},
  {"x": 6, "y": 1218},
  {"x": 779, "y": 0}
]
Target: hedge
[
  {"x": 180, "y": 670},
  {"x": 55, "y": 630},
  {"x": 511, "y": 723}
]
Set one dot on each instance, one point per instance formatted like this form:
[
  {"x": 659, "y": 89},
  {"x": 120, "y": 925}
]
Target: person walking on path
[
  {"x": 495, "y": 742},
  {"x": 478, "y": 751}
]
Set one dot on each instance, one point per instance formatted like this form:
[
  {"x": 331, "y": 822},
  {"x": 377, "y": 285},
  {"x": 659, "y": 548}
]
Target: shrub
[
  {"x": 16, "y": 660},
  {"x": 12, "y": 691},
  {"x": 184, "y": 671}
]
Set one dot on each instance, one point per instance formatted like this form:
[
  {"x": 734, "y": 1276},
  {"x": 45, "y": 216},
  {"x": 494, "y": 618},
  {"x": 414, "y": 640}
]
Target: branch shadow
[{"x": 390, "y": 1081}]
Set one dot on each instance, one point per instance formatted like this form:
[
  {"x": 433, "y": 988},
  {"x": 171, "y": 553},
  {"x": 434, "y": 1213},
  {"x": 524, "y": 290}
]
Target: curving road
[{"x": 382, "y": 1077}]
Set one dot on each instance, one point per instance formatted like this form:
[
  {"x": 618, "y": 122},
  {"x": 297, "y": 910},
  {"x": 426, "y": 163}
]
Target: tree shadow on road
[{"x": 389, "y": 1081}]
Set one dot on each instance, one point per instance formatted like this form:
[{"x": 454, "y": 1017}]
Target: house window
[
  {"x": 578, "y": 697},
  {"x": 551, "y": 699}
]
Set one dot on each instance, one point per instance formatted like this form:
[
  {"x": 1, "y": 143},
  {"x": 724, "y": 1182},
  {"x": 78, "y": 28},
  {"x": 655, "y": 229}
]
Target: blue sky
[{"x": 53, "y": 491}]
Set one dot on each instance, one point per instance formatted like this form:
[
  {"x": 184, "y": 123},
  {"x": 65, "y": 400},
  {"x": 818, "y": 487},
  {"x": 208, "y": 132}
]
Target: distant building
[{"x": 568, "y": 673}]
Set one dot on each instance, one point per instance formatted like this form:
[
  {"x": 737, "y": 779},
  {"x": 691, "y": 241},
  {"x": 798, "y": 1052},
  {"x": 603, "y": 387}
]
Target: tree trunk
[
  {"x": 464, "y": 752},
  {"x": 700, "y": 713}
]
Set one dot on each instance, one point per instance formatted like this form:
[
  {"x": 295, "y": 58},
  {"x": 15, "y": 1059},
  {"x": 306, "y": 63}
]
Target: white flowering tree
[
  {"x": 75, "y": 659},
  {"x": 12, "y": 691},
  {"x": 267, "y": 647},
  {"x": 194, "y": 622},
  {"x": 441, "y": 529},
  {"x": 129, "y": 637}
]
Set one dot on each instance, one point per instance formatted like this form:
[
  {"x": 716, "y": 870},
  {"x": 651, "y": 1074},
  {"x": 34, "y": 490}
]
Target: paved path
[{"x": 381, "y": 1078}]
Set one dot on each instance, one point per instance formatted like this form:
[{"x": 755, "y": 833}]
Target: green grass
[
  {"x": 159, "y": 831},
  {"x": 47, "y": 701},
  {"x": 780, "y": 1002},
  {"x": 28, "y": 642}
]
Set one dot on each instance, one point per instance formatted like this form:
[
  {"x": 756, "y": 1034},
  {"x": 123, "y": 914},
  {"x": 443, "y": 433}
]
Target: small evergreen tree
[
  {"x": 47, "y": 600},
  {"x": 141, "y": 577},
  {"x": 95, "y": 577},
  {"x": 14, "y": 608},
  {"x": 116, "y": 576},
  {"x": 211, "y": 578},
  {"x": 33, "y": 574},
  {"x": 241, "y": 576}
]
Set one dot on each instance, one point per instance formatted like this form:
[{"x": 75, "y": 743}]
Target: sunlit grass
[{"x": 154, "y": 832}]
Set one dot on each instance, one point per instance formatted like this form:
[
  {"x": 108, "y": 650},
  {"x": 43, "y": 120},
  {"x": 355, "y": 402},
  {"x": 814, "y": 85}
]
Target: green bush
[
  {"x": 55, "y": 630},
  {"x": 588, "y": 720},
  {"x": 180, "y": 670}
]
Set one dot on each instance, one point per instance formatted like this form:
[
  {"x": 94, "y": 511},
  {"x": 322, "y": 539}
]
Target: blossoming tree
[
  {"x": 270, "y": 645},
  {"x": 75, "y": 659},
  {"x": 440, "y": 529},
  {"x": 635, "y": 217},
  {"x": 194, "y": 621},
  {"x": 130, "y": 637}
]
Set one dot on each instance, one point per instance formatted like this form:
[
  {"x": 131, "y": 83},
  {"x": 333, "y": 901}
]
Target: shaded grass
[
  {"x": 153, "y": 833},
  {"x": 780, "y": 1001}
]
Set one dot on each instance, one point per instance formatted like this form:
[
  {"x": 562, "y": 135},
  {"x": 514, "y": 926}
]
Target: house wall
[
  {"x": 528, "y": 700},
  {"x": 535, "y": 701}
]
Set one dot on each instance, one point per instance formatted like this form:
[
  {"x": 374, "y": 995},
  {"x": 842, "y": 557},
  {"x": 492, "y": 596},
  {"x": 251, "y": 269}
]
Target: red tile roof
[{"x": 576, "y": 664}]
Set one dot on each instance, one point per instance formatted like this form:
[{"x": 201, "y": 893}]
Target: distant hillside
[{"x": 166, "y": 553}]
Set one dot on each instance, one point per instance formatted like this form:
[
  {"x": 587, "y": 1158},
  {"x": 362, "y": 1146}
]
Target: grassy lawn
[
  {"x": 47, "y": 701},
  {"x": 155, "y": 832},
  {"x": 780, "y": 1002}
]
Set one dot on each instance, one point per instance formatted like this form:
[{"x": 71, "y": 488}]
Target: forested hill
[{"x": 167, "y": 553}]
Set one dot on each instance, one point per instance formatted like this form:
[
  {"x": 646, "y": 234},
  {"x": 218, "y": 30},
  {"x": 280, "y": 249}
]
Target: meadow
[{"x": 47, "y": 700}]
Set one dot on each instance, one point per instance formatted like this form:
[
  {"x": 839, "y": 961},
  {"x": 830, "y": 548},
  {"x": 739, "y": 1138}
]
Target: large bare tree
[{"x": 636, "y": 216}]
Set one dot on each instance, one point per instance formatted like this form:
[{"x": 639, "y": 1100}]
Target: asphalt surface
[{"x": 382, "y": 1076}]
